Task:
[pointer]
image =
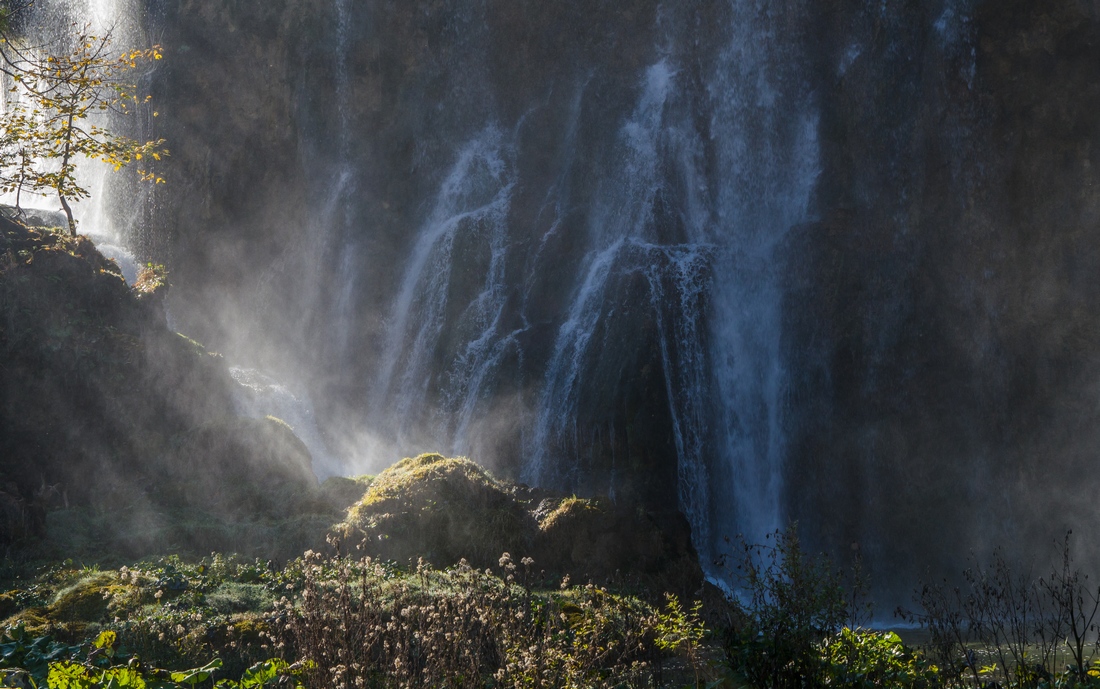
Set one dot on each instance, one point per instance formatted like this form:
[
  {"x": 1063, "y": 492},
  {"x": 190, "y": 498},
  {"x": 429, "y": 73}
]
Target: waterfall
[
  {"x": 471, "y": 207},
  {"x": 722, "y": 256},
  {"x": 737, "y": 161},
  {"x": 764, "y": 125},
  {"x": 621, "y": 217},
  {"x": 336, "y": 214},
  {"x": 716, "y": 298}
]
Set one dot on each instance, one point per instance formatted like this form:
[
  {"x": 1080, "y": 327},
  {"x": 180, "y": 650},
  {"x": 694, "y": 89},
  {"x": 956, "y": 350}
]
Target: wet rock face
[
  {"x": 948, "y": 281},
  {"x": 938, "y": 309}
]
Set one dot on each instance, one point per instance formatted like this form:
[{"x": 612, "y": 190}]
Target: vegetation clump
[
  {"x": 441, "y": 509},
  {"x": 360, "y": 623},
  {"x": 342, "y": 492},
  {"x": 337, "y": 621}
]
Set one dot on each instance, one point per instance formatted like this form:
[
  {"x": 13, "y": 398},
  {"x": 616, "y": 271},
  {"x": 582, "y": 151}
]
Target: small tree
[{"x": 49, "y": 123}]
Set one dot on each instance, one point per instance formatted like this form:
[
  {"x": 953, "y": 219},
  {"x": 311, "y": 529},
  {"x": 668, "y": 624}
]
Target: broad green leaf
[{"x": 197, "y": 675}]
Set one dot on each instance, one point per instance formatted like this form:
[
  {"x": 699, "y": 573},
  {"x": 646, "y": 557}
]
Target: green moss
[
  {"x": 342, "y": 492},
  {"x": 235, "y": 597},
  {"x": 570, "y": 509},
  {"x": 34, "y": 620},
  {"x": 191, "y": 345},
  {"x": 94, "y": 598},
  {"x": 442, "y": 509},
  {"x": 9, "y": 605},
  {"x": 249, "y": 629}
]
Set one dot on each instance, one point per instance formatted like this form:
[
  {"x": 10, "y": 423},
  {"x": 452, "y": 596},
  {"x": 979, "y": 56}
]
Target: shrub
[
  {"x": 862, "y": 659},
  {"x": 362, "y": 624},
  {"x": 791, "y": 603},
  {"x": 1000, "y": 625}
]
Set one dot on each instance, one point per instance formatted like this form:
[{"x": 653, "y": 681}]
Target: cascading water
[
  {"x": 739, "y": 178},
  {"x": 764, "y": 128},
  {"x": 621, "y": 217},
  {"x": 335, "y": 214},
  {"x": 724, "y": 256},
  {"x": 471, "y": 208}
]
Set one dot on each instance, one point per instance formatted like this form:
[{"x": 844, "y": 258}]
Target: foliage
[
  {"x": 333, "y": 621},
  {"x": 862, "y": 659},
  {"x": 791, "y": 603},
  {"x": 44, "y": 662},
  {"x": 51, "y": 123},
  {"x": 1000, "y": 625},
  {"x": 151, "y": 278},
  {"x": 30, "y": 654},
  {"x": 363, "y": 625},
  {"x": 681, "y": 631}
]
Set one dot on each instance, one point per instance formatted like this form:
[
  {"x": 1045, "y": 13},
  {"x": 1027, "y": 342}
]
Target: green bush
[
  {"x": 862, "y": 659},
  {"x": 41, "y": 662},
  {"x": 791, "y": 603}
]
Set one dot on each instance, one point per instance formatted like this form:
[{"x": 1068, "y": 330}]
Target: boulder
[
  {"x": 240, "y": 466},
  {"x": 441, "y": 509},
  {"x": 446, "y": 510},
  {"x": 600, "y": 541}
]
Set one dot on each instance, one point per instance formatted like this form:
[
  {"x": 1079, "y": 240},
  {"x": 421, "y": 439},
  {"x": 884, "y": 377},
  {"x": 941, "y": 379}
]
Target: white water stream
[{"x": 715, "y": 297}]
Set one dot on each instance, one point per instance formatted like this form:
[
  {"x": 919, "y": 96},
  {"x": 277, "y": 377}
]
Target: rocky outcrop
[
  {"x": 103, "y": 409},
  {"x": 449, "y": 509}
]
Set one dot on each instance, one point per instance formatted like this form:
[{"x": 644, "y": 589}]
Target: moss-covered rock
[
  {"x": 442, "y": 510},
  {"x": 239, "y": 466},
  {"x": 93, "y": 598},
  {"x": 238, "y": 597},
  {"x": 34, "y": 620},
  {"x": 448, "y": 509},
  {"x": 598, "y": 540},
  {"x": 342, "y": 492},
  {"x": 9, "y": 605}
]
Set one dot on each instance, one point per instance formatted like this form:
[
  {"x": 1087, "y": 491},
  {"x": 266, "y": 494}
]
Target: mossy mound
[
  {"x": 446, "y": 510},
  {"x": 441, "y": 509},
  {"x": 597, "y": 540},
  {"x": 342, "y": 492},
  {"x": 240, "y": 466},
  {"x": 238, "y": 597},
  {"x": 94, "y": 598}
]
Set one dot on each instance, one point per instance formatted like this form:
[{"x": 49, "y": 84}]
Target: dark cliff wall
[
  {"x": 943, "y": 312},
  {"x": 939, "y": 313}
]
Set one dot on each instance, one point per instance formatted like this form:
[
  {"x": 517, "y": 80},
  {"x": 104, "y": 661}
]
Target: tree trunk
[
  {"x": 68, "y": 215},
  {"x": 64, "y": 172}
]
